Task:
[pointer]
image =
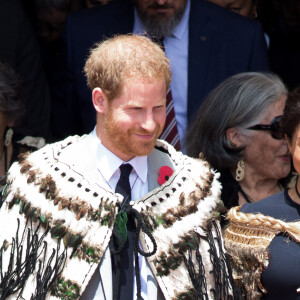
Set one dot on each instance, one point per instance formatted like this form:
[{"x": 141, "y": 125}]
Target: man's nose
[{"x": 149, "y": 122}]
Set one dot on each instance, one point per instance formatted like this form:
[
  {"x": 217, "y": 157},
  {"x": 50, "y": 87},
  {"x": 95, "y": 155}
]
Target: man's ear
[
  {"x": 234, "y": 137},
  {"x": 99, "y": 100}
]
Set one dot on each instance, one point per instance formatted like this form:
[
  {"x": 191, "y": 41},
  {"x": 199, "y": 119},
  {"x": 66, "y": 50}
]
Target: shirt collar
[
  {"x": 109, "y": 163},
  {"x": 178, "y": 31},
  {"x": 138, "y": 26}
]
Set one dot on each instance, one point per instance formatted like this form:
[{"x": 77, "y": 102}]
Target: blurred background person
[
  {"x": 12, "y": 109},
  {"x": 263, "y": 238},
  {"x": 281, "y": 21},
  {"x": 19, "y": 48},
  {"x": 246, "y": 8},
  {"x": 49, "y": 19},
  {"x": 237, "y": 130}
]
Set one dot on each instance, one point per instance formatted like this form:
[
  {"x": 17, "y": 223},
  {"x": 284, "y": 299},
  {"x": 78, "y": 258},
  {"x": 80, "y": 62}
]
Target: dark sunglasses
[{"x": 274, "y": 128}]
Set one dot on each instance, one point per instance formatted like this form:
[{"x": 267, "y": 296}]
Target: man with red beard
[
  {"x": 116, "y": 214},
  {"x": 204, "y": 42}
]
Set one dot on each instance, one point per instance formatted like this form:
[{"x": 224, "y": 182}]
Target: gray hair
[
  {"x": 11, "y": 101},
  {"x": 240, "y": 101}
]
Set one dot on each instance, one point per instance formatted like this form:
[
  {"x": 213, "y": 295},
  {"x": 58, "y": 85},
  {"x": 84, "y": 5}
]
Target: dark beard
[{"x": 160, "y": 26}]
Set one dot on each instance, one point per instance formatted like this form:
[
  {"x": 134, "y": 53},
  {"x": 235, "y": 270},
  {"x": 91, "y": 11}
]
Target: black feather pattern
[
  {"x": 198, "y": 278},
  {"x": 221, "y": 268},
  {"x": 48, "y": 273},
  {"x": 26, "y": 251},
  {"x": 224, "y": 286}
]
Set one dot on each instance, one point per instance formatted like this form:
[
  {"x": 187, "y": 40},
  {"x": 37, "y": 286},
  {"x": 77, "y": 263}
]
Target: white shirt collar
[
  {"x": 109, "y": 163},
  {"x": 178, "y": 31}
]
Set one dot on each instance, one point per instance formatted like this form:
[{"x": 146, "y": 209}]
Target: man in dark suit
[{"x": 205, "y": 44}]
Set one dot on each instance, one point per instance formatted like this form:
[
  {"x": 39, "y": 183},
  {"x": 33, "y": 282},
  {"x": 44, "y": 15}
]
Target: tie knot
[{"x": 125, "y": 170}]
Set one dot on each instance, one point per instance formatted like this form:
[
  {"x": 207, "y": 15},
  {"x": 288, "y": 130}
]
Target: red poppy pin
[{"x": 165, "y": 173}]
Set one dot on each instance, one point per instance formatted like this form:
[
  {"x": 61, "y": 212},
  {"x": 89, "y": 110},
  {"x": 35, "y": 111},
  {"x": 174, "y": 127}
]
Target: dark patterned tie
[
  {"x": 126, "y": 256},
  {"x": 170, "y": 131}
]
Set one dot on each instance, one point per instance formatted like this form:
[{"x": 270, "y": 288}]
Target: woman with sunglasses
[
  {"x": 263, "y": 239},
  {"x": 237, "y": 130}
]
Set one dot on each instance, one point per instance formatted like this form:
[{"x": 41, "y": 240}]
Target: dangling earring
[
  {"x": 240, "y": 171},
  {"x": 8, "y": 137}
]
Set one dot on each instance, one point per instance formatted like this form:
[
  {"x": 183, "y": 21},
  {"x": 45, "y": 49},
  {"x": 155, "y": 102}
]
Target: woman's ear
[
  {"x": 234, "y": 137},
  {"x": 99, "y": 100}
]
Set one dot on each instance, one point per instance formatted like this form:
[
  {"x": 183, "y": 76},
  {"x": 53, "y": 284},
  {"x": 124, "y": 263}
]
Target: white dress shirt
[
  {"x": 176, "y": 48},
  {"x": 108, "y": 167}
]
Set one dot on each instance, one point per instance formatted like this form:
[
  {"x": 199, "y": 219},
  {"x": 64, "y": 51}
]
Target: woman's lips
[{"x": 286, "y": 157}]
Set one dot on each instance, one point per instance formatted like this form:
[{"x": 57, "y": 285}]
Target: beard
[
  {"x": 160, "y": 25},
  {"x": 125, "y": 141}
]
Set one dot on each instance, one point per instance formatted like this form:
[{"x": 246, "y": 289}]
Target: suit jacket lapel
[{"x": 199, "y": 54}]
